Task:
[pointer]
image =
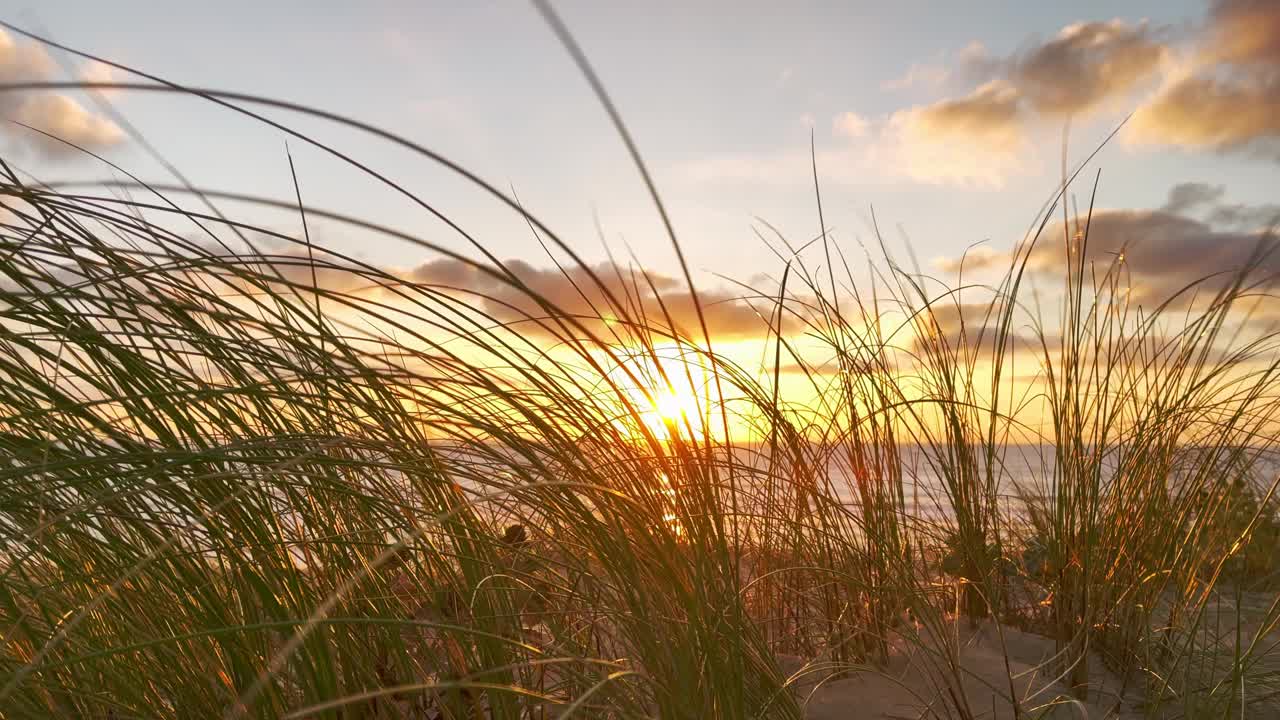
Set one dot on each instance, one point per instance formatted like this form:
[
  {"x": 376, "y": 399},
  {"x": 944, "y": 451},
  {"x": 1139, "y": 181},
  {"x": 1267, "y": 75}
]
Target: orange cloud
[
  {"x": 1229, "y": 98},
  {"x": 976, "y": 139},
  {"x": 1206, "y": 112},
  {"x": 981, "y": 138},
  {"x": 56, "y": 114},
  {"x": 656, "y": 300},
  {"x": 1244, "y": 32},
  {"x": 64, "y": 118}
]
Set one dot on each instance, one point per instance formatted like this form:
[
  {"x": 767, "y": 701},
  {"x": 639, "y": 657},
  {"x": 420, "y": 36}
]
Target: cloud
[
  {"x": 953, "y": 317},
  {"x": 1195, "y": 236},
  {"x": 990, "y": 114},
  {"x": 1246, "y": 216},
  {"x": 850, "y": 125},
  {"x": 1164, "y": 252},
  {"x": 927, "y": 75},
  {"x": 1214, "y": 113},
  {"x": 1075, "y": 72},
  {"x": 977, "y": 139},
  {"x": 931, "y": 143},
  {"x": 1193, "y": 195},
  {"x": 99, "y": 72},
  {"x": 981, "y": 138},
  {"x": 1244, "y": 32},
  {"x": 328, "y": 271},
  {"x": 1194, "y": 198},
  {"x": 643, "y": 299},
  {"x": 972, "y": 326},
  {"x": 1227, "y": 98},
  {"x": 975, "y": 259},
  {"x": 25, "y": 62},
  {"x": 56, "y": 114},
  {"x": 64, "y": 118},
  {"x": 972, "y": 64},
  {"x": 830, "y": 367},
  {"x": 1085, "y": 65},
  {"x": 1163, "y": 257}
]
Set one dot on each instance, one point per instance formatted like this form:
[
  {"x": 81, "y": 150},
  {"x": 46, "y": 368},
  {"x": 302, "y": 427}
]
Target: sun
[
  {"x": 673, "y": 405},
  {"x": 667, "y": 388}
]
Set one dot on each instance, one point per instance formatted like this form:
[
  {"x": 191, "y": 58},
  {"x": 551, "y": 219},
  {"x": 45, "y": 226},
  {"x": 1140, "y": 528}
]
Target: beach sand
[
  {"x": 1000, "y": 662},
  {"x": 997, "y": 662}
]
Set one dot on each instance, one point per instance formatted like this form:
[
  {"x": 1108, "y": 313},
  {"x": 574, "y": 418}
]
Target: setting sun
[{"x": 668, "y": 389}]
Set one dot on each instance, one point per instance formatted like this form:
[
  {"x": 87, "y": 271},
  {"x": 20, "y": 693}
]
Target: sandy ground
[
  {"x": 997, "y": 663},
  {"x": 1000, "y": 662},
  {"x": 1007, "y": 673}
]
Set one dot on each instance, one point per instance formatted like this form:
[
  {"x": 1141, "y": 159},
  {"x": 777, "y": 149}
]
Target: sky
[{"x": 945, "y": 119}]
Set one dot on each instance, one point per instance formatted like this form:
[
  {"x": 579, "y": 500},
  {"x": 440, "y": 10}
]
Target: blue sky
[{"x": 720, "y": 96}]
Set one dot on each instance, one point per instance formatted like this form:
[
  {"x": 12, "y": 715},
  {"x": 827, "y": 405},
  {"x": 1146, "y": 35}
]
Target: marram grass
[{"x": 284, "y": 483}]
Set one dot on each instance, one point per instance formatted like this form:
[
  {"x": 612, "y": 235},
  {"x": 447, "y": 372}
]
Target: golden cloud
[
  {"x": 1229, "y": 97},
  {"x": 65, "y": 119},
  {"x": 601, "y": 297},
  {"x": 57, "y": 114},
  {"x": 976, "y": 139},
  {"x": 980, "y": 138}
]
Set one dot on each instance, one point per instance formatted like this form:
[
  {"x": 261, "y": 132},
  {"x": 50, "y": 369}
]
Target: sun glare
[{"x": 668, "y": 388}]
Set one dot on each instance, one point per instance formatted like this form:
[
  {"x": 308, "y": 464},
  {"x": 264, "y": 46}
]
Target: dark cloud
[
  {"x": 612, "y": 300},
  {"x": 1246, "y": 216},
  {"x": 1188, "y": 196},
  {"x": 641, "y": 299},
  {"x": 1229, "y": 100},
  {"x": 954, "y": 317},
  {"x": 1196, "y": 237},
  {"x": 1206, "y": 201},
  {"x": 972, "y": 326},
  {"x": 1085, "y": 65},
  {"x": 1163, "y": 252}
]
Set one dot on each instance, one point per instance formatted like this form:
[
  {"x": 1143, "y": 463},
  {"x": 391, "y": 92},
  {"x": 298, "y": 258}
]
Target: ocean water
[
  {"x": 1029, "y": 472},
  {"x": 1021, "y": 473}
]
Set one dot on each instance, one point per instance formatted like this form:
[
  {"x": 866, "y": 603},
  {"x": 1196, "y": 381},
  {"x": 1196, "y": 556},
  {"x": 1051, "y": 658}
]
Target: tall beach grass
[{"x": 248, "y": 475}]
